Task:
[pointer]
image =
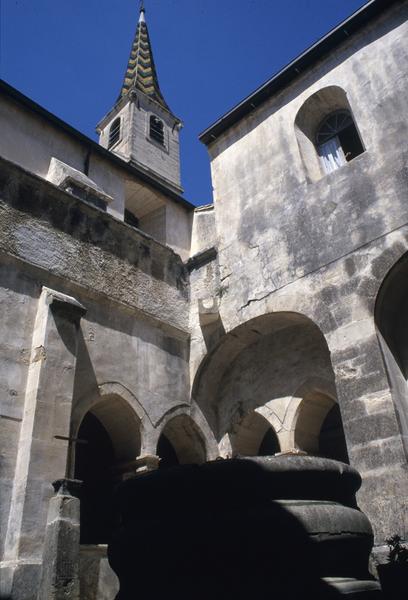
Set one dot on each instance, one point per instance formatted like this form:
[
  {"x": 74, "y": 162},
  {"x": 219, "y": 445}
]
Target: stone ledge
[{"x": 51, "y": 230}]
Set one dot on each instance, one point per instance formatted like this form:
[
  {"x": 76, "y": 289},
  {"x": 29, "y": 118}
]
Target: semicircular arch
[{"x": 298, "y": 334}]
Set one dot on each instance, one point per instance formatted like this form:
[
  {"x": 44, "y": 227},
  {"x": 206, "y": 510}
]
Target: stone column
[
  {"x": 41, "y": 456},
  {"x": 60, "y": 571},
  {"x": 371, "y": 427}
]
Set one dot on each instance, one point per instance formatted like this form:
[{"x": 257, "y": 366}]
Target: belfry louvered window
[
  {"x": 337, "y": 140},
  {"x": 114, "y": 133},
  {"x": 157, "y": 130}
]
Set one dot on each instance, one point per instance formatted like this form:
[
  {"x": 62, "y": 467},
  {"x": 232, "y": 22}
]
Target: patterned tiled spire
[{"x": 141, "y": 73}]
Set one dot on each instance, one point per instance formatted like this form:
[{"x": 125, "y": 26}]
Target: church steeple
[
  {"x": 141, "y": 71},
  {"x": 141, "y": 128}
]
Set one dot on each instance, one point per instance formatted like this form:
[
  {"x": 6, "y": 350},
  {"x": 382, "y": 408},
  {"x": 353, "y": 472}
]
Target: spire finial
[
  {"x": 142, "y": 12},
  {"x": 141, "y": 73}
]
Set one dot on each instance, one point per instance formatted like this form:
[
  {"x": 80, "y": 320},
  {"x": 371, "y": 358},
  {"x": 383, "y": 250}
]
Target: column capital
[
  {"x": 64, "y": 303},
  {"x": 141, "y": 464},
  {"x": 67, "y": 487},
  {"x": 147, "y": 462}
]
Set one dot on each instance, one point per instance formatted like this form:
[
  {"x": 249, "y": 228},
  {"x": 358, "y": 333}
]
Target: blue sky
[{"x": 70, "y": 57}]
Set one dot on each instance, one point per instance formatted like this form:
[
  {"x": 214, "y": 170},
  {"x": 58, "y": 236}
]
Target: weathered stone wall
[
  {"x": 19, "y": 305},
  {"x": 131, "y": 344},
  {"x": 321, "y": 248},
  {"x": 162, "y": 160},
  {"x": 51, "y": 230},
  {"x": 31, "y": 141},
  {"x": 269, "y": 215},
  {"x": 178, "y": 229},
  {"x": 275, "y": 307},
  {"x": 203, "y": 229},
  {"x": 135, "y": 142},
  {"x": 272, "y": 369}
]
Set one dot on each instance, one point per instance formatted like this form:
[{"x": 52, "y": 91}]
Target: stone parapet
[{"x": 51, "y": 230}]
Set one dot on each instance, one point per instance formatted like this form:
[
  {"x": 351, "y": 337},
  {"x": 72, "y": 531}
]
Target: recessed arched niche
[
  {"x": 327, "y": 132},
  {"x": 108, "y": 439},
  {"x": 267, "y": 376},
  {"x": 391, "y": 319}
]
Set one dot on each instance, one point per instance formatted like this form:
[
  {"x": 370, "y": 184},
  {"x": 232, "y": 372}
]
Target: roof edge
[
  {"x": 19, "y": 97},
  {"x": 292, "y": 70}
]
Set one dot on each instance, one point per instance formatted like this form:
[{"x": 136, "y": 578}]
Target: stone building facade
[{"x": 139, "y": 331}]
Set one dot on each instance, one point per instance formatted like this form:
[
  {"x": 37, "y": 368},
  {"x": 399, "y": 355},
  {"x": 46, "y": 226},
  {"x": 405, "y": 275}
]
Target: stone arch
[
  {"x": 261, "y": 362},
  {"x": 109, "y": 440},
  {"x": 311, "y": 403},
  {"x": 126, "y": 399},
  {"x": 108, "y": 431},
  {"x": 393, "y": 251},
  {"x": 315, "y": 421},
  {"x": 310, "y": 115},
  {"x": 312, "y": 411},
  {"x": 122, "y": 424},
  {"x": 181, "y": 442},
  {"x": 253, "y": 436},
  {"x": 108, "y": 388},
  {"x": 391, "y": 320},
  {"x": 332, "y": 442}
]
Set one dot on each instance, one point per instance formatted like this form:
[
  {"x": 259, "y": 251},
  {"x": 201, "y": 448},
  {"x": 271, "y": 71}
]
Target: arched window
[
  {"x": 337, "y": 140},
  {"x": 157, "y": 130},
  {"x": 114, "y": 133}
]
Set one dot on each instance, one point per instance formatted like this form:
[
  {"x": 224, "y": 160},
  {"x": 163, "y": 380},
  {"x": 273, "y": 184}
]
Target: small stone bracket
[
  {"x": 148, "y": 462},
  {"x": 64, "y": 303},
  {"x": 141, "y": 464},
  {"x": 67, "y": 487},
  {"x": 208, "y": 310},
  {"x": 76, "y": 183},
  {"x": 201, "y": 259}
]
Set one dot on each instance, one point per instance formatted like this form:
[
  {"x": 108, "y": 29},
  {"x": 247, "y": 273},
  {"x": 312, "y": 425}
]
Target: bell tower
[{"x": 141, "y": 128}]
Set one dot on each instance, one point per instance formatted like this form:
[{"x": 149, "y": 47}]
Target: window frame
[
  {"x": 118, "y": 133},
  {"x": 333, "y": 158},
  {"x": 159, "y": 142}
]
